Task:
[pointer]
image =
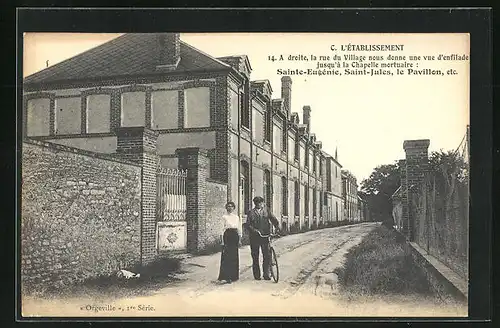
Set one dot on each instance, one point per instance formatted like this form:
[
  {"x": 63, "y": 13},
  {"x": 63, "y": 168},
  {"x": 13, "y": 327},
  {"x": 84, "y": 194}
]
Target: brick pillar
[
  {"x": 138, "y": 144},
  {"x": 196, "y": 162},
  {"x": 416, "y": 165},
  {"x": 404, "y": 196}
]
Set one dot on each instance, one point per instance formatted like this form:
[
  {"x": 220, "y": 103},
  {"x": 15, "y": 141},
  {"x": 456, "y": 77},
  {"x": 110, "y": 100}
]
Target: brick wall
[{"x": 80, "y": 215}]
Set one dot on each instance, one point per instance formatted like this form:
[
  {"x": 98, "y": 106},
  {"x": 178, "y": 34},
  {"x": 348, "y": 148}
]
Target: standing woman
[{"x": 230, "y": 236}]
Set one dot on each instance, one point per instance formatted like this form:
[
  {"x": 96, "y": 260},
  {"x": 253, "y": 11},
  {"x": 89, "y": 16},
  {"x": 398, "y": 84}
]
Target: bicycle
[{"x": 275, "y": 272}]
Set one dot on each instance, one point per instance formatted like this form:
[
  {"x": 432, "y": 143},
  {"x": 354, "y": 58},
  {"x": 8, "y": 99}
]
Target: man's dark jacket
[{"x": 261, "y": 222}]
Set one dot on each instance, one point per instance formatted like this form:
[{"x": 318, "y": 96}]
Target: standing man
[{"x": 259, "y": 221}]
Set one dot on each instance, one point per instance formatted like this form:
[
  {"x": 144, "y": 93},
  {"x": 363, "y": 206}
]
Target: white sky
[{"x": 366, "y": 117}]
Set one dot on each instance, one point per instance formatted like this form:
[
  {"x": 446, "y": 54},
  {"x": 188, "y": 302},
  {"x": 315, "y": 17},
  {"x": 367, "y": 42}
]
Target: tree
[
  {"x": 449, "y": 169},
  {"x": 378, "y": 189}
]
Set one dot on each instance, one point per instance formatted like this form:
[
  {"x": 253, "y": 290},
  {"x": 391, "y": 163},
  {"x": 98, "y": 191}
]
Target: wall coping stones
[
  {"x": 412, "y": 144},
  {"x": 57, "y": 147},
  {"x": 454, "y": 279}
]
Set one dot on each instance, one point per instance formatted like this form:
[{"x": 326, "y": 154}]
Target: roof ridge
[{"x": 205, "y": 54}]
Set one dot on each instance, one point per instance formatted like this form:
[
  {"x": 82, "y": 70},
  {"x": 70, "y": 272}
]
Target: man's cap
[{"x": 258, "y": 199}]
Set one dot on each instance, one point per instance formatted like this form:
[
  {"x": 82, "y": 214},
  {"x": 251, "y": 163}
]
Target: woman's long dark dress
[{"x": 230, "y": 262}]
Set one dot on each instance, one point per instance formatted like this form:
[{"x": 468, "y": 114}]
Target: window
[
  {"x": 329, "y": 176},
  {"x": 244, "y": 187},
  {"x": 268, "y": 124},
  {"x": 336, "y": 211},
  {"x": 314, "y": 163},
  {"x": 315, "y": 205},
  {"x": 254, "y": 123},
  {"x": 68, "y": 113},
  {"x": 98, "y": 113},
  {"x": 38, "y": 117},
  {"x": 267, "y": 188},
  {"x": 306, "y": 200},
  {"x": 165, "y": 109},
  {"x": 336, "y": 172},
  {"x": 302, "y": 156},
  {"x": 133, "y": 109},
  {"x": 284, "y": 138},
  {"x": 258, "y": 126},
  {"x": 197, "y": 107},
  {"x": 291, "y": 148},
  {"x": 277, "y": 138},
  {"x": 244, "y": 110},
  {"x": 320, "y": 203},
  {"x": 297, "y": 198},
  {"x": 284, "y": 200},
  {"x": 234, "y": 110},
  {"x": 307, "y": 157},
  {"x": 297, "y": 148}
]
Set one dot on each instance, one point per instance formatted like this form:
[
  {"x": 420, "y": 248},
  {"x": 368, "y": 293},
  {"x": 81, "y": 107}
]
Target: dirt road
[{"x": 307, "y": 287}]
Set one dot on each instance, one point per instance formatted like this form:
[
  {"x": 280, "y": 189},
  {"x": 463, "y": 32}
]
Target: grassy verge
[{"x": 382, "y": 264}]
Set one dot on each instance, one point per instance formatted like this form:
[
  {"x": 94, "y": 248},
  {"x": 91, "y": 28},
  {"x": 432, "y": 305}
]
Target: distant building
[
  {"x": 363, "y": 209},
  {"x": 333, "y": 194},
  {"x": 256, "y": 144},
  {"x": 350, "y": 196}
]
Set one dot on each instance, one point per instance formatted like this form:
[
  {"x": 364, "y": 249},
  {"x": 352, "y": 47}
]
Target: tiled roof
[{"x": 130, "y": 54}]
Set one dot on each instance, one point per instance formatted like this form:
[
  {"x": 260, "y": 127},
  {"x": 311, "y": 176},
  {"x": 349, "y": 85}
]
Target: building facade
[
  {"x": 256, "y": 144},
  {"x": 333, "y": 195},
  {"x": 363, "y": 209},
  {"x": 350, "y": 196}
]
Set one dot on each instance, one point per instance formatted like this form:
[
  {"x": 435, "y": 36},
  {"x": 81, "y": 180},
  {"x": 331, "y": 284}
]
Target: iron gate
[{"x": 171, "y": 210}]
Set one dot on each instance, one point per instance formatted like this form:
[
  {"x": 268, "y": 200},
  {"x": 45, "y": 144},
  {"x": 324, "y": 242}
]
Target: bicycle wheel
[{"x": 275, "y": 272}]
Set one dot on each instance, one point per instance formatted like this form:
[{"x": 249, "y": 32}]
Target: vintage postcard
[{"x": 245, "y": 174}]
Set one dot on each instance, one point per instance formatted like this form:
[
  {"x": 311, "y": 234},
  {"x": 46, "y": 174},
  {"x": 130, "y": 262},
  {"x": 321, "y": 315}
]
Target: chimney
[
  {"x": 286, "y": 93},
  {"x": 306, "y": 117},
  {"x": 169, "y": 51}
]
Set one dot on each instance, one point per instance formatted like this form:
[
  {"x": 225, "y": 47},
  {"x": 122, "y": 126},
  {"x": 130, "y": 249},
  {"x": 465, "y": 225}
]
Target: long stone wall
[{"x": 80, "y": 215}]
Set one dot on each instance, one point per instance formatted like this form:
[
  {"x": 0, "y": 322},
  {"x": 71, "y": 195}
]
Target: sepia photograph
[{"x": 245, "y": 174}]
